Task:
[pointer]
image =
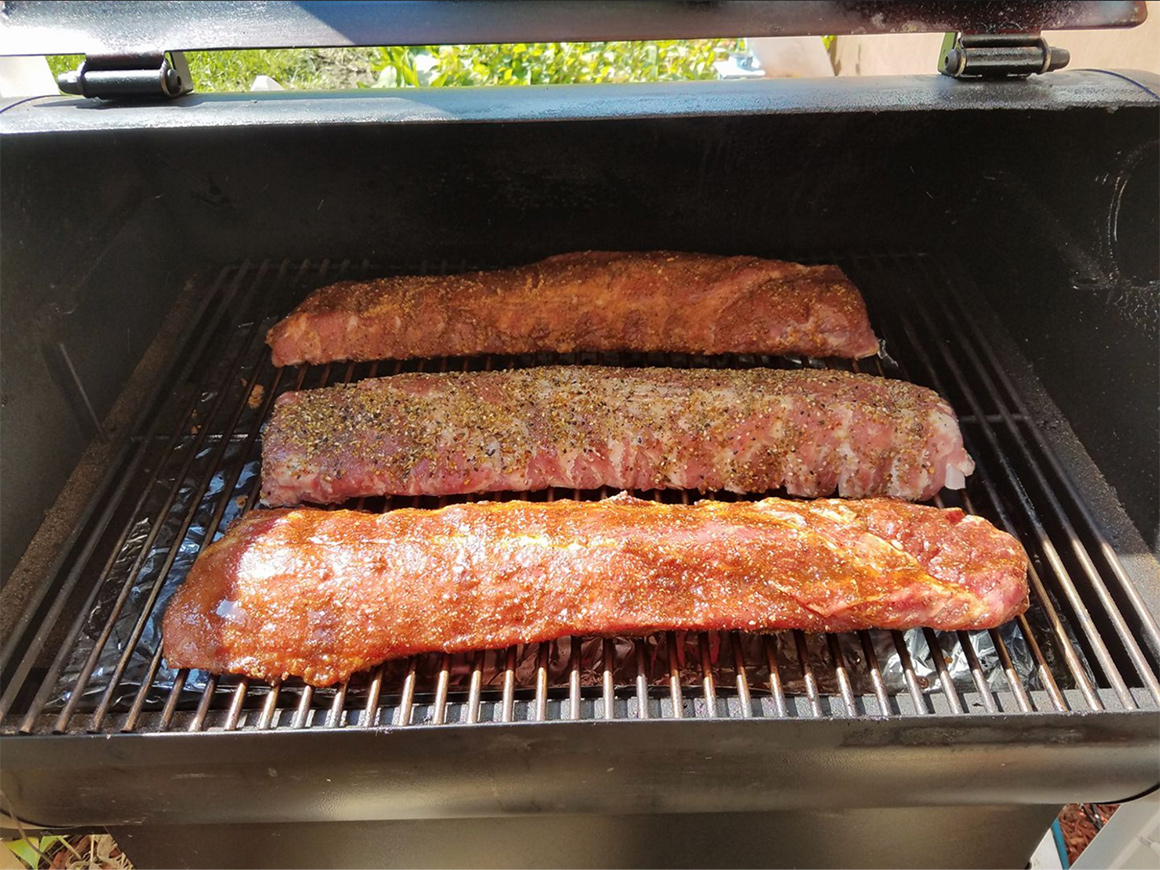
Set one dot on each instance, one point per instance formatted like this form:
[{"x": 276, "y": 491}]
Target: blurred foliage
[
  {"x": 75, "y": 852},
  {"x": 292, "y": 68},
  {"x": 62, "y": 63},
  {"x": 551, "y": 63},
  {"x": 32, "y": 850},
  {"x": 530, "y": 63}
]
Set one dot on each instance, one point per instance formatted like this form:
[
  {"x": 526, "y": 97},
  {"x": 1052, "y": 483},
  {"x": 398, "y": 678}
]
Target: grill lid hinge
[
  {"x": 999, "y": 55},
  {"x": 129, "y": 77}
]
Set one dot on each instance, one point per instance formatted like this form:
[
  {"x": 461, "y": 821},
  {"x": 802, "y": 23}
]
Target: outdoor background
[{"x": 619, "y": 62}]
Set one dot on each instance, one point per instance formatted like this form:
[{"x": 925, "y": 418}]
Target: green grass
[{"x": 452, "y": 65}]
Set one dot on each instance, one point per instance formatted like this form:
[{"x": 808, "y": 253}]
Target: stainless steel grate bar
[
  {"x": 780, "y": 707},
  {"x": 845, "y": 687},
  {"x": 944, "y": 677},
  {"x": 641, "y": 680},
  {"x": 235, "y": 712},
  {"x": 475, "y": 691},
  {"x": 808, "y": 678},
  {"x": 270, "y": 707},
  {"x": 440, "y": 712},
  {"x": 708, "y": 684},
  {"x": 574, "y": 680},
  {"x": 875, "y": 672},
  {"x": 542, "y": 652},
  {"x": 1009, "y": 672},
  {"x": 407, "y": 699},
  {"x": 977, "y": 676},
  {"x": 607, "y": 684},
  {"x": 675, "y": 691},
  {"x": 742, "y": 679},
  {"x": 509, "y": 686},
  {"x": 912, "y": 686}
]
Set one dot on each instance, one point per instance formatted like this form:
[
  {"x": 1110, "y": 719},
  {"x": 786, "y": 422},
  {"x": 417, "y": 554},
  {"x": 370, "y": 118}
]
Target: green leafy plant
[
  {"x": 542, "y": 63},
  {"x": 77, "y": 852},
  {"x": 33, "y": 850},
  {"x": 522, "y": 63}
]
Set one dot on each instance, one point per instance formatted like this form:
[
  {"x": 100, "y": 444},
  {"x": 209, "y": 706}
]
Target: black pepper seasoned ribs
[{"x": 583, "y": 427}]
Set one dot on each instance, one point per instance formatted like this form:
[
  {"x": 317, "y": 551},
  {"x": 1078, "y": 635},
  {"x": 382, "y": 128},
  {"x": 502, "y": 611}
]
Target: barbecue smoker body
[{"x": 1001, "y": 234}]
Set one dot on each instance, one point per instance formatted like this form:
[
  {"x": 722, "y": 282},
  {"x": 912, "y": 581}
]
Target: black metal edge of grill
[
  {"x": 1065, "y": 90},
  {"x": 1083, "y": 737},
  {"x": 481, "y": 770}
]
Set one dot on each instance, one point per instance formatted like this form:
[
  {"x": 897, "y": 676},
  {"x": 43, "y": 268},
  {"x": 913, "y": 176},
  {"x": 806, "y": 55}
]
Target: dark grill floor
[{"x": 94, "y": 663}]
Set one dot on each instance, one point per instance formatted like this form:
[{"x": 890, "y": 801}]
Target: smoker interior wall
[
  {"x": 89, "y": 265},
  {"x": 1062, "y": 230},
  {"x": 102, "y": 227}
]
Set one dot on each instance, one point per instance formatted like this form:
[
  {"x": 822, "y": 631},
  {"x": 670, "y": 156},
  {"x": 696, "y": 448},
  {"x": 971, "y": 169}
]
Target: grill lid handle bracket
[
  {"x": 129, "y": 76},
  {"x": 999, "y": 55}
]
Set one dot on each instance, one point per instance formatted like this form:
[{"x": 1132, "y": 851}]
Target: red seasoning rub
[
  {"x": 816, "y": 433},
  {"x": 585, "y": 301},
  {"x": 323, "y": 594}
]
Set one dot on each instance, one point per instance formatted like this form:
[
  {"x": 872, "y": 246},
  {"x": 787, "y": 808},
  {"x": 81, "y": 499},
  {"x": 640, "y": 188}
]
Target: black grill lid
[{"x": 114, "y": 27}]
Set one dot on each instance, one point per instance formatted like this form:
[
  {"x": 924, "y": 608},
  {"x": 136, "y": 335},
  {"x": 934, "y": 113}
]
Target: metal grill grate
[{"x": 92, "y": 659}]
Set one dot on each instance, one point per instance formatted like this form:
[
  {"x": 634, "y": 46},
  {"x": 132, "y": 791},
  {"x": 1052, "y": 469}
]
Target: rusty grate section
[{"x": 92, "y": 663}]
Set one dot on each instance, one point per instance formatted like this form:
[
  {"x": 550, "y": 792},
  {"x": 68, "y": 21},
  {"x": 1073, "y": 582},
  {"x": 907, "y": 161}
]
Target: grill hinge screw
[
  {"x": 999, "y": 55},
  {"x": 129, "y": 77}
]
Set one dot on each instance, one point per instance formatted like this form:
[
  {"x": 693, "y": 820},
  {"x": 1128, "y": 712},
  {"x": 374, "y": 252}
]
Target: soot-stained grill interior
[
  {"x": 1003, "y": 234},
  {"x": 1088, "y": 643}
]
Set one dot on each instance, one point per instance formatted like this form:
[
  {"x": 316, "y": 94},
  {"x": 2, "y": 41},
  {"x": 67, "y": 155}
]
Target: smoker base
[{"x": 956, "y": 836}]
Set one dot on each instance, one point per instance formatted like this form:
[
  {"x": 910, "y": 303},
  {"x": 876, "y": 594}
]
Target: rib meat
[
  {"x": 585, "y": 301},
  {"x": 815, "y": 433},
  {"x": 323, "y": 594}
]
